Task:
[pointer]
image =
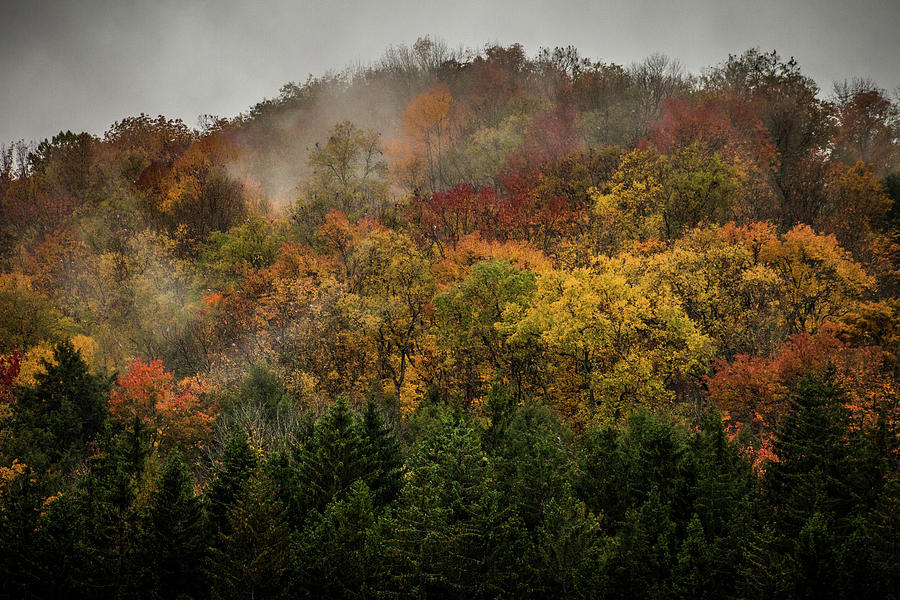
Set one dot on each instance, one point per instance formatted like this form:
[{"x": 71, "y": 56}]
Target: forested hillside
[{"x": 460, "y": 324}]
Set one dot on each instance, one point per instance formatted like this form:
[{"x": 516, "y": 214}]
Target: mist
[{"x": 82, "y": 66}]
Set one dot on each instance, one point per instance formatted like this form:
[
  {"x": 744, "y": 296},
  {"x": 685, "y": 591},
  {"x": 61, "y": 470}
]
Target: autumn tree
[
  {"x": 198, "y": 194},
  {"x": 610, "y": 344},
  {"x": 749, "y": 288},
  {"x": 426, "y": 125},
  {"x": 447, "y": 216},
  {"x": 658, "y": 197},
  {"x": 798, "y": 122},
  {"x": 176, "y": 416},
  {"x": 348, "y": 175},
  {"x": 26, "y": 316},
  {"x": 868, "y": 122},
  {"x": 390, "y": 291}
]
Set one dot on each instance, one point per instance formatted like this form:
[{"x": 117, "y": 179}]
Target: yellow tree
[
  {"x": 656, "y": 196},
  {"x": 819, "y": 281},
  {"x": 611, "y": 344},
  {"x": 390, "y": 288},
  {"x": 749, "y": 288}
]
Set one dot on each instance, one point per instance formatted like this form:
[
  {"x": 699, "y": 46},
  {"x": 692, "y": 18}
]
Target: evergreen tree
[
  {"x": 531, "y": 461},
  {"x": 381, "y": 453},
  {"x": 171, "y": 547},
  {"x": 230, "y": 473},
  {"x": 332, "y": 459},
  {"x": 828, "y": 482},
  {"x": 66, "y": 409},
  {"x": 334, "y": 555},
  {"x": 451, "y": 533},
  {"x": 252, "y": 556}
]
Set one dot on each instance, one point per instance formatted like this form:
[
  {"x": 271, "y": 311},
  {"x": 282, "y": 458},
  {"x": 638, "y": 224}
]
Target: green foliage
[
  {"x": 252, "y": 555},
  {"x": 250, "y": 245},
  {"x": 55, "y": 420},
  {"x": 469, "y": 315},
  {"x": 451, "y": 533},
  {"x": 336, "y": 556},
  {"x": 171, "y": 545},
  {"x": 828, "y": 489},
  {"x": 230, "y": 473}
]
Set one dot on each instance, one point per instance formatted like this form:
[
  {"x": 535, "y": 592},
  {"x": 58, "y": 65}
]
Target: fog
[{"x": 84, "y": 65}]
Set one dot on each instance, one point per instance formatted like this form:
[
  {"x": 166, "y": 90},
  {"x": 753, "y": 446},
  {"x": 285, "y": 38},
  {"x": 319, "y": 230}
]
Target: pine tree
[
  {"x": 230, "y": 474},
  {"x": 65, "y": 410},
  {"x": 815, "y": 471},
  {"x": 382, "y": 457},
  {"x": 827, "y": 481},
  {"x": 172, "y": 545},
  {"x": 451, "y": 533},
  {"x": 334, "y": 554},
  {"x": 252, "y": 556},
  {"x": 332, "y": 459}
]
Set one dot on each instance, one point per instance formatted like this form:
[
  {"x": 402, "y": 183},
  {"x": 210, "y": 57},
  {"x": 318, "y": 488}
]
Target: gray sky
[{"x": 82, "y": 64}]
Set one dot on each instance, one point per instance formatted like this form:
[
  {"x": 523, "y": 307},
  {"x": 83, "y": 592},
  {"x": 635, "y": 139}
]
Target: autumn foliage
[
  {"x": 460, "y": 325},
  {"x": 175, "y": 414}
]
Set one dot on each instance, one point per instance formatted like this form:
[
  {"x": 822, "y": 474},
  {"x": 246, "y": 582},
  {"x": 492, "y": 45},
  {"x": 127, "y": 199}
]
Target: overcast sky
[{"x": 83, "y": 64}]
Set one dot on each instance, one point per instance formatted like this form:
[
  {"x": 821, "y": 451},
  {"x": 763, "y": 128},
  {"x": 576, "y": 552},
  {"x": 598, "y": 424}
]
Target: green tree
[
  {"x": 451, "y": 534},
  {"x": 171, "y": 546},
  {"x": 65, "y": 410},
  {"x": 252, "y": 557}
]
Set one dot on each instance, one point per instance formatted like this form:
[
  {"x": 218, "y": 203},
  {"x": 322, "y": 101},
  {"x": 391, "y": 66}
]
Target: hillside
[{"x": 460, "y": 324}]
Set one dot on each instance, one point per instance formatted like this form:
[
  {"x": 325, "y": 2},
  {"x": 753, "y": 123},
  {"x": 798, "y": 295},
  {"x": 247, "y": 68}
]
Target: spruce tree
[
  {"x": 65, "y": 410},
  {"x": 230, "y": 473},
  {"x": 171, "y": 547},
  {"x": 451, "y": 533},
  {"x": 334, "y": 555},
  {"x": 382, "y": 457},
  {"x": 332, "y": 459},
  {"x": 252, "y": 556}
]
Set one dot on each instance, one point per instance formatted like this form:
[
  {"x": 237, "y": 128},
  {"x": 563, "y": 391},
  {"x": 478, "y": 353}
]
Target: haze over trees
[{"x": 460, "y": 324}]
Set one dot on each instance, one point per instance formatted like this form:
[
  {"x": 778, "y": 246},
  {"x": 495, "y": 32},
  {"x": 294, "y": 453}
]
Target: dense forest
[{"x": 460, "y": 324}]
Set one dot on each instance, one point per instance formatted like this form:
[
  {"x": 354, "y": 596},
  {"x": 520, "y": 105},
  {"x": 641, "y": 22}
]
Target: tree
[
  {"x": 798, "y": 122},
  {"x": 825, "y": 479},
  {"x": 171, "y": 546},
  {"x": 199, "y": 196},
  {"x": 177, "y": 416},
  {"x": 755, "y": 391},
  {"x": 332, "y": 459},
  {"x": 230, "y": 473},
  {"x": 26, "y": 317},
  {"x": 348, "y": 175},
  {"x": 252, "y": 557},
  {"x": 867, "y": 125},
  {"x": 469, "y": 315},
  {"x": 659, "y": 197},
  {"x": 447, "y": 216},
  {"x": 426, "y": 125},
  {"x": 389, "y": 290},
  {"x": 381, "y": 450},
  {"x": 450, "y": 533},
  {"x": 609, "y": 344},
  {"x": 334, "y": 554},
  {"x": 63, "y": 412}
]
